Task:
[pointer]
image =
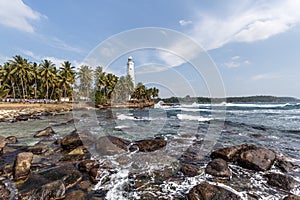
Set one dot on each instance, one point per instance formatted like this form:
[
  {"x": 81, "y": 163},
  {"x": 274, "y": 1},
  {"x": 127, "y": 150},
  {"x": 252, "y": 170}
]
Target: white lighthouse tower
[{"x": 130, "y": 69}]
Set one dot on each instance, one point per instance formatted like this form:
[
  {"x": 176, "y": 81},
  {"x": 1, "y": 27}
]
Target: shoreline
[{"x": 12, "y": 112}]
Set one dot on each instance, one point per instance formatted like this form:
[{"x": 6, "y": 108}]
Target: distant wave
[{"x": 193, "y": 118}]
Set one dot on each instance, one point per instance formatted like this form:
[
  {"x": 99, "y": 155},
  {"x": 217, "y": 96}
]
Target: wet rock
[
  {"x": 23, "y": 117},
  {"x": 86, "y": 165},
  {"x": 78, "y": 151},
  {"x": 76, "y": 194},
  {"x": 281, "y": 181},
  {"x": 292, "y": 197},
  {"x": 37, "y": 149},
  {"x": 4, "y": 192},
  {"x": 218, "y": 167},
  {"x": 2, "y": 145},
  {"x": 231, "y": 154},
  {"x": 206, "y": 191},
  {"x": 72, "y": 179},
  {"x": 71, "y": 141},
  {"x": 285, "y": 166},
  {"x": 93, "y": 174},
  {"x": 11, "y": 140},
  {"x": 190, "y": 170},
  {"x": 47, "y": 132},
  {"x": 53, "y": 190},
  {"x": 22, "y": 165},
  {"x": 71, "y": 121},
  {"x": 260, "y": 159},
  {"x": 148, "y": 145},
  {"x": 110, "y": 145}
]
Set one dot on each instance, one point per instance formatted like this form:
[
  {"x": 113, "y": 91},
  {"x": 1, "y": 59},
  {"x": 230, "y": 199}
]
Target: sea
[{"x": 200, "y": 127}]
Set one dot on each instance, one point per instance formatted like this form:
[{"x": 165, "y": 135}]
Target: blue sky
[{"x": 253, "y": 44}]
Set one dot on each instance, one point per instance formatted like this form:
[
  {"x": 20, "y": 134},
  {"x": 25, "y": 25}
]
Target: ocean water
[{"x": 200, "y": 127}]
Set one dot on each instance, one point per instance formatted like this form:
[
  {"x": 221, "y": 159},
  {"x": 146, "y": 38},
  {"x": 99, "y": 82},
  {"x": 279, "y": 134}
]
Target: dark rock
[
  {"x": 23, "y": 117},
  {"x": 2, "y": 145},
  {"x": 4, "y": 192},
  {"x": 11, "y": 140},
  {"x": 53, "y": 190},
  {"x": 86, "y": 165},
  {"x": 110, "y": 145},
  {"x": 71, "y": 121},
  {"x": 218, "y": 167},
  {"x": 292, "y": 197},
  {"x": 206, "y": 191},
  {"x": 76, "y": 194},
  {"x": 93, "y": 174},
  {"x": 72, "y": 179},
  {"x": 37, "y": 149},
  {"x": 231, "y": 154},
  {"x": 260, "y": 159},
  {"x": 47, "y": 132},
  {"x": 22, "y": 165},
  {"x": 85, "y": 115},
  {"x": 190, "y": 170},
  {"x": 281, "y": 181},
  {"x": 148, "y": 145},
  {"x": 285, "y": 166},
  {"x": 71, "y": 141}
]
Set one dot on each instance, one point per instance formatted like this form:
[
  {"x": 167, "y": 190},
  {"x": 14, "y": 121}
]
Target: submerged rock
[
  {"x": 22, "y": 165},
  {"x": 260, "y": 159},
  {"x": 206, "y": 191},
  {"x": 281, "y": 181},
  {"x": 2, "y": 145},
  {"x": 218, "y": 167},
  {"x": 47, "y": 132},
  {"x": 53, "y": 190},
  {"x": 285, "y": 166},
  {"x": 148, "y": 145},
  {"x": 110, "y": 145},
  {"x": 11, "y": 140}
]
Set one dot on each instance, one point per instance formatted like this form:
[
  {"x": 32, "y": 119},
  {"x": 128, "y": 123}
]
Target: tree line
[{"x": 21, "y": 79}]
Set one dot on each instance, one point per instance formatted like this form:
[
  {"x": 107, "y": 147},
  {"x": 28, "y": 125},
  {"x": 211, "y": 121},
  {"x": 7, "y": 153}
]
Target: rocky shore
[
  {"x": 63, "y": 168},
  {"x": 13, "y": 112}
]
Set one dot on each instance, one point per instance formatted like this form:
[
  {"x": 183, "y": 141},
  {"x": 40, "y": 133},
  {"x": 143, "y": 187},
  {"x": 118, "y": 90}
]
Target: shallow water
[{"x": 274, "y": 126}]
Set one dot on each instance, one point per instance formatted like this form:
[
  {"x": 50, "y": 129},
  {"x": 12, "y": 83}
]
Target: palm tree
[
  {"x": 85, "y": 76},
  {"x": 47, "y": 74},
  {"x": 67, "y": 78},
  {"x": 36, "y": 71},
  {"x": 21, "y": 69},
  {"x": 8, "y": 78}
]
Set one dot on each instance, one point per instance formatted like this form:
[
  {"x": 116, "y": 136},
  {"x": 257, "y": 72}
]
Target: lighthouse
[{"x": 130, "y": 69}]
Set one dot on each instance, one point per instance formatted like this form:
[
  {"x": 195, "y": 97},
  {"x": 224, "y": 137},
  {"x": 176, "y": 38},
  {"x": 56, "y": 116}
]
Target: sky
[{"x": 251, "y": 45}]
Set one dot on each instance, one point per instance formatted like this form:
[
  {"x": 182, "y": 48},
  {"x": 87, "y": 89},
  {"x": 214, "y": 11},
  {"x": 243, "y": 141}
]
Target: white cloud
[
  {"x": 3, "y": 59},
  {"x": 235, "y": 58},
  {"x": 185, "y": 22},
  {"x": 266, "y": 76},
  {"x": 246, "y": 23},
  {"x": 16, "y": 14},
  {"x": 232, "y": 64},
  {"x": 55, "y": 60},
  {"x": 247, "y": 62}
]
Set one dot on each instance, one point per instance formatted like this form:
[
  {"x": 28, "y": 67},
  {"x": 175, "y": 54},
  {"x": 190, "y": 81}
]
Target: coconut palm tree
[
  {"x": 21, "y": 69},
  {"x": 47, "y": 76},
  {"x": 67, "y": 76},
  {"x": 85, "y": 75}
]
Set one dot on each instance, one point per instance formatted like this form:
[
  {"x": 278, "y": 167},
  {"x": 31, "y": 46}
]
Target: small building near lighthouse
[{"x": 130, "y": 69}]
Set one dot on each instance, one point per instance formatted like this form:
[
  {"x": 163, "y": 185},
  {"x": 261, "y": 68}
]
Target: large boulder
[
  {"x": 22, "y": 165},
  {"x": 71, "y": 141},
  {"x": 2, "y": 145},
  {"x": 218, "y": 167},
  {"x": 206, "y": 191},
  {"x": 148, "y": 145},
  {"x": 110, "y": 145},
  {"x": 47, "y": 132},
  {"x": 231, "y": 154},
  {"x": 260, "y": 159},
  {"x": 281, "y": 181}
]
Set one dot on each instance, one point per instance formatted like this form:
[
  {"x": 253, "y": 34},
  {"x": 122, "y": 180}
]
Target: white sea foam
[
  {"x": 192, "y": 118},
  {"x": 248, "y": 105}
]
